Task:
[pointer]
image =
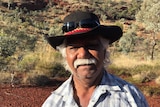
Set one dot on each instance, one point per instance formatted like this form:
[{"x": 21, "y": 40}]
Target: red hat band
[{"x": 78, "y": 31}]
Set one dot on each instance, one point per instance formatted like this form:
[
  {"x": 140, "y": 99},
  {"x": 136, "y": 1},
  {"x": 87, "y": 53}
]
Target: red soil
[{"x": 30, "y": 96}]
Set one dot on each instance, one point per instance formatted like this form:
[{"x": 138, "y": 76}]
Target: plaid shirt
[{"x": 112, "y": 92}]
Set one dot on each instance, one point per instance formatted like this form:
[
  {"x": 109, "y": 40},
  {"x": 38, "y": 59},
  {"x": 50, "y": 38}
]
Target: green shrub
[
  {"x": 55, "y": 30},
  {"x": 127, "y": 42},
  {"x": 57, "y": 70},
  {"x": 27, "y": 63},
  {"x": 39, "y": 80},
  {"x": 7, "y": 46}
]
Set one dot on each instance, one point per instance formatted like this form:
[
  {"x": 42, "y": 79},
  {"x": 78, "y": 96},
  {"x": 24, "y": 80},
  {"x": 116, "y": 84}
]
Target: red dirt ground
[{"x": 32, "y": 96}]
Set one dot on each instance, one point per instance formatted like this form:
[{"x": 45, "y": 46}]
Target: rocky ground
[{"x": 33, "y": 96}]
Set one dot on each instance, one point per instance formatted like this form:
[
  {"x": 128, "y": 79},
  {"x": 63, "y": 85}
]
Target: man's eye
[{"x": 73, "y": 47}]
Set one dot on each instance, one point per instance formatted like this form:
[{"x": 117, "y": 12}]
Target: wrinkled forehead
[{"x": 82, "y": 39}]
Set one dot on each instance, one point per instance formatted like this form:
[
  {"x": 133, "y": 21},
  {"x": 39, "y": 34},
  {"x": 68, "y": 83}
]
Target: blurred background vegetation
[{"x": 26, "y": 57}]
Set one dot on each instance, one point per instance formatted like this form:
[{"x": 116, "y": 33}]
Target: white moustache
[{"x": 79, "y": 62}]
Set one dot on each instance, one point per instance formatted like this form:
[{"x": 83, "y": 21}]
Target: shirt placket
[{"x": 96, "y": 95}]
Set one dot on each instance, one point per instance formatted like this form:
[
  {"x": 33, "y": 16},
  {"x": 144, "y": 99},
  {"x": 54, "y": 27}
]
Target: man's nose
[{"x": 83, "y": 53}]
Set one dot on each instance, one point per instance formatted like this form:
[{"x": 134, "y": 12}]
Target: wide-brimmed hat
[{"x": 80, "y": 24}]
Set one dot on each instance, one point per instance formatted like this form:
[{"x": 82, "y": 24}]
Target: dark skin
[{"x": 85, "y": 77}]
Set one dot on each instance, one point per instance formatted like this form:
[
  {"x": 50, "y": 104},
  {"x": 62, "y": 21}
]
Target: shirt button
[
  {"x": 103, "y": 90},
  {"x": 93, "y": 101}
]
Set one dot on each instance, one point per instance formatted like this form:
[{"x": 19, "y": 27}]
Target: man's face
[{"x": 79, "y": 50}]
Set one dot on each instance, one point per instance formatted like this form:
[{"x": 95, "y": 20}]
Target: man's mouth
[
  {"x": 84, "y": 65},
  {"x": 84, "y": 62}
]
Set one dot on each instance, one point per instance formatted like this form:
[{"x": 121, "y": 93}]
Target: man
[{"x": 84, "y": 47}]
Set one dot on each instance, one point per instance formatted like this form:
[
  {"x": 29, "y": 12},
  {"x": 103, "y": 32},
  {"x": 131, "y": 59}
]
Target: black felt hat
[{"x": 81, "y": 23}]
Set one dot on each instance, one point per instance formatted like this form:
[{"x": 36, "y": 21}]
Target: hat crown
[{"x": 80, "y": 15}]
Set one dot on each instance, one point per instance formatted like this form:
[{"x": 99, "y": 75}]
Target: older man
[{"x": 84, "y": 48}]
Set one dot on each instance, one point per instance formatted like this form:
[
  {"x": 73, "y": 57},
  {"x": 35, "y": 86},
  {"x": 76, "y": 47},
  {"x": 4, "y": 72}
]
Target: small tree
[
  {"x": 149, "y": 15},
  {"x": 7, "y": 46},
  {"x": 7, "y": 49},
  {"x": 127, "y": 41}
]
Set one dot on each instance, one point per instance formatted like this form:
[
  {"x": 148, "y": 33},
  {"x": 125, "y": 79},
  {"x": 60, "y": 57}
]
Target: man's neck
[
  {"x": 82, "y": 94},
  {"x": 83, "y": 90}
]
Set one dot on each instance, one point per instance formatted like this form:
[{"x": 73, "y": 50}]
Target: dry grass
[
  {"x": 141, "y": 70},
  {"x": 130, "y": 61},
  {"x": 157, "y": 80},
  {"x": 5, "y": 77}
]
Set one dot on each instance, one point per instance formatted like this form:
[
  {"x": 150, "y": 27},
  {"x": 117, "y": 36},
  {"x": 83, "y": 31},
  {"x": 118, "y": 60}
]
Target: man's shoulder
[
  {"x": 118, "y": 84},
  {"x": 115, "y": 81},
  {"x": 59, "y": 95},
  {"x": 64, "y": 88}
]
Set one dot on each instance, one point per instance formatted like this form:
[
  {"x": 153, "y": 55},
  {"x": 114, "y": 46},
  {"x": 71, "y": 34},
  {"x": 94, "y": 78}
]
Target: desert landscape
[
  {"x": 33, "y": 96},
  {"x": 30, "y": 69}
]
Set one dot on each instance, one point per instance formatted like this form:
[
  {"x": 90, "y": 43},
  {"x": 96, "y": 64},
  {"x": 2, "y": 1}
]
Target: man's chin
[{"x": 86, "y": 70}]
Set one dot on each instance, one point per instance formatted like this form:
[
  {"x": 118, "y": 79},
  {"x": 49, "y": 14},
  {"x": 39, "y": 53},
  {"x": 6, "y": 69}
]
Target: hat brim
[{"x": 112, "y": 33}]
